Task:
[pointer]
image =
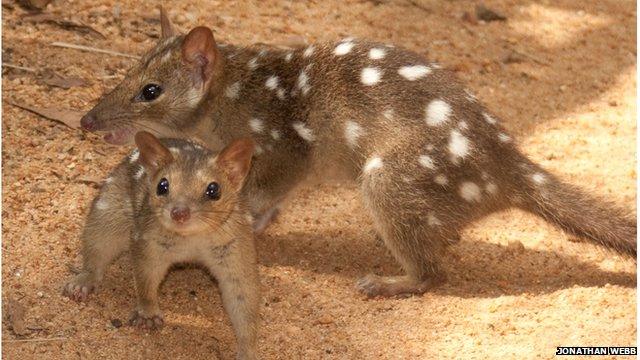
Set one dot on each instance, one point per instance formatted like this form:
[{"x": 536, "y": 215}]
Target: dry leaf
[
  {"x": 71, "y": 118},
  {"x": 95, "y": 181},
  {"x": 486, "y": 14},
  {"x": 51, "y": 78},
  {"x": 15, "y": 316},
  {"x": 34, "y": 4},
  {"x": 9, "y": 4},
  {"x": 64, "y": 23}
]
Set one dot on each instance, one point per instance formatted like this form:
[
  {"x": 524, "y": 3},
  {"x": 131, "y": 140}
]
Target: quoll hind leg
[{"x": 412, "y": 228}]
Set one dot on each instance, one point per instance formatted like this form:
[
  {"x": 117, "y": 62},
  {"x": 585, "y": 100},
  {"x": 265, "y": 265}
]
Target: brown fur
[
  {"x": 128, "y": 213},
  {"x": 415, "y": 186}
]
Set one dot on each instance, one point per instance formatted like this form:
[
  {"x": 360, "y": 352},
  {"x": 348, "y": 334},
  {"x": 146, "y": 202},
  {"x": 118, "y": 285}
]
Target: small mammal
[
  {"x": 428, "y": 157},
  {"x": 169, "y": 202}
]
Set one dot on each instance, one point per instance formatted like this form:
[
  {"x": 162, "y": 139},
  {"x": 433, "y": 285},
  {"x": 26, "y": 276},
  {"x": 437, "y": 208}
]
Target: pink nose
[
  {"x": 88, "y": 122},
  {"x": 180, "y": 214}
]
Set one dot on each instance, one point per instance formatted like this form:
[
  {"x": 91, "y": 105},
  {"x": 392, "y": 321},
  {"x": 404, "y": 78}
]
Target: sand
[{"x": 561, "y": 73}]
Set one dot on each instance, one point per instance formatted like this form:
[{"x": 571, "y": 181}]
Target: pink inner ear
[{"x": 199, "y": 49}]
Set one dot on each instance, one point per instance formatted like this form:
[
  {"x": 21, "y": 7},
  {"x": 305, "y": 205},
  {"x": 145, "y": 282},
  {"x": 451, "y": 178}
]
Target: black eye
[
  {"x": 163, "y": 187},
  {"x": 213, "y": 191},
  {"x": 150, "y": 92}
]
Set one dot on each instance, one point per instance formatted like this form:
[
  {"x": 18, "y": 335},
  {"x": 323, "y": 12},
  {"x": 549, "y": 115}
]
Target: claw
[{"x": 79, "y": 288}]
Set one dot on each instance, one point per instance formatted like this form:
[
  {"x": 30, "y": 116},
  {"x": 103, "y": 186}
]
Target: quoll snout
[
  {"x": 88, "y": 122},
  {"x": 180, "y": 214}
]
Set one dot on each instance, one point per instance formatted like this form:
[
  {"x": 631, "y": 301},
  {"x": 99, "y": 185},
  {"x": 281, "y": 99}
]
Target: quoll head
[
  {"x": 190, "y": 189},
  {"x": 163, "y": 91}
]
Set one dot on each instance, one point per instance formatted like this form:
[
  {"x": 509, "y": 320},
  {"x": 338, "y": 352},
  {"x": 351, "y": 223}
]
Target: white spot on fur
[
  {"x": 174, "y": 150},
  {"x": 256, "y": 125},
  {"x": 308, "y": 51},
  {"x": 437, "y": 112},
  {"x": 426, "y": 161},
  {"x": 233, "y": 91},
  {"x": 504, "y": 137},
  {"x": 488, "y": 118},
  {"x": 429, "y": 147},
  {"x": 538, "y": 178},
  {"x": 253, "y": 63},
  {"x": 370, "y": 76},
  {"x": 258, "y": 150},
  {"x": 343, "y": 48},
  {"x": 414, "y": 72},
  {"x": 462, "y": 125},
  {"x": 288, "y": 57},
  {"x": 303, "y": 82},
  {"x": 432, "y": 220},
  {"x": 388, "y": 114},
  {"x": 275, "y": 134},
  {"x": 352, "y": 131},
  {"x": 491, "y": 188},
  {"x": 108, "y": 180},
  {"x": 102, "y": 204},
  {"x": 458, "y": 144},
  {"x": 272, "y": 82},
  {"x": 166, "y": 57},
  {"x": 377, "y": 53},
  {"x": 440, "y": 179},
  {"x": 134, "y": 156},
  {"x": 470, "y": 191},
  {"x": 138, "y": 175},
  {"x": 281, "y": 93},
  {"x": 303, "y": 131},
  {"x": 373, "y": 164}
]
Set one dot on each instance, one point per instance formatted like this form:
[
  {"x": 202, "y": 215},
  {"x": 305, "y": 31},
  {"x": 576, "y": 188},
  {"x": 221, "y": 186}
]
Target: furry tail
[{"x": 594, "y": 219}]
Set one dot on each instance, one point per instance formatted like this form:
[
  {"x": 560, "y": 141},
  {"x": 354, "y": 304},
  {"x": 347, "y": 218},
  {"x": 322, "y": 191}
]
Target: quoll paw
[
  {"x": 373, "y": 285},
  {"x": 146, "y": 322},
  {"x": 79, "y": 287}
]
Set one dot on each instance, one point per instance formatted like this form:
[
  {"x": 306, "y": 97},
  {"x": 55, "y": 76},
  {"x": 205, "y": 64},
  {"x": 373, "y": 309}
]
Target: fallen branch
[
  {"x": 23, "y": 68},
  {"x": 67, "y": 117},
  {"x": 33, "y": 340},
  {"x": 92, "y": 49}
]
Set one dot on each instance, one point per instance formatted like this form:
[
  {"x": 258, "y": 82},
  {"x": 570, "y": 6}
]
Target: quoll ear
[
  {"x": 235, "y": 161},
  {"x": 199, "y": 51},
  {"x": 166, "y": 27},
  {"x": 153, "y": 155}
]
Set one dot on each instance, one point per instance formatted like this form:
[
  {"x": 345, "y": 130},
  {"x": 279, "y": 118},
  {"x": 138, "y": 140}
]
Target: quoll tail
[{"x": 596, "y": 220}]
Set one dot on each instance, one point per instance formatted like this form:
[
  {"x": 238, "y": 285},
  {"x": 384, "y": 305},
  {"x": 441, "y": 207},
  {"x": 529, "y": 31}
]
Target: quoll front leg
[
  {"x": 234, "y": 266},
  {"x": 149, "y": 270},
  {"x": 104, "y": 237}
]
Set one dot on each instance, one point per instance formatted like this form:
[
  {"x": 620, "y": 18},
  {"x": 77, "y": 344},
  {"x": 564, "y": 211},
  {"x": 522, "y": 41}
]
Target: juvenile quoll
[
  {"x": 172, "y": 202},
  {"x": 428, "y": 157}
]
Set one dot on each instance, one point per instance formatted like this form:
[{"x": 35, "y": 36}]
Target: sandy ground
[{"x": 561, "y": 73}]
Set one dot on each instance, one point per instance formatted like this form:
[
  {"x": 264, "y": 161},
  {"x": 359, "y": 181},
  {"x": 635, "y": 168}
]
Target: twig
[
  {"x": 419, "y": 6},
  {"x": 23, "y": 68},
  {"x": 531, "y": 57},
  {"x": 92, "y": 49},
  {"x": 33, "y": 340}
]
